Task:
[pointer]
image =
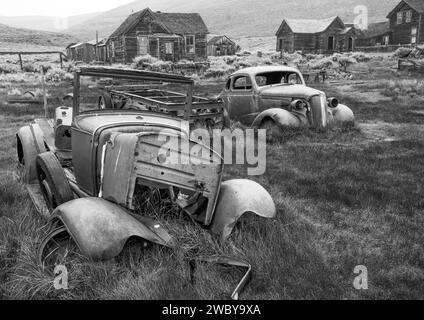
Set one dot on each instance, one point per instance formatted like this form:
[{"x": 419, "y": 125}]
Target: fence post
[
  {"x": 20, "y": 62},
  {"x": 61, "y": 60}
]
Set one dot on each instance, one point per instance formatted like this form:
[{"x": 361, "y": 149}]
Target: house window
[
  {"x": 399, "y": 17},
  {"x": 169, "y": 48},
  {"x": 386, "y": 40},
  {"x": 414, "y": 35},
  {"x": 190, "y": 45},
  {"x": 408, "y": 18}
]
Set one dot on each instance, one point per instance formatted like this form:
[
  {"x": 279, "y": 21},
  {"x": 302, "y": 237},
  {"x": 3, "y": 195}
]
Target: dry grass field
[{"x": 347, "y": 197}]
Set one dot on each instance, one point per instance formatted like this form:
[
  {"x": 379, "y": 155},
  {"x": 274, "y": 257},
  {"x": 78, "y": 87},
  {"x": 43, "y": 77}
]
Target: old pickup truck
[
  {"x": 274, "y": 97},
  {"x": 83, "y": 168}
]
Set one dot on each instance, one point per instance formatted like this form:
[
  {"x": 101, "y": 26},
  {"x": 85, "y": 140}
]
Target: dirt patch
[
  {"x": 388, "y": 132},
  {"x": 371, "y": 95}
]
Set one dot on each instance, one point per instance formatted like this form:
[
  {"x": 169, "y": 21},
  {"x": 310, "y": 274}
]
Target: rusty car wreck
[
  {"x": 274, "y": 97},
  {"x": 86, "y": 166}
]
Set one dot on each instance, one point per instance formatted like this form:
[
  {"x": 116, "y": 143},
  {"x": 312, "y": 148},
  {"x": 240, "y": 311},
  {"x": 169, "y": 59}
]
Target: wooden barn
[
  {"x": 316, "y": 36},
  {"x": 377, "y": 34},
  {"x": 221, "y": 46},
  {"x": 82, "y": 51},
  {"x": 407, "y": 23},
  {"x": 167, "y": 36}
]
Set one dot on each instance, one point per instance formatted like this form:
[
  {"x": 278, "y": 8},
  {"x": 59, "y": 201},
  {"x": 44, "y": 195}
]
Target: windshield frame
[{"x": 278, "y": 84}]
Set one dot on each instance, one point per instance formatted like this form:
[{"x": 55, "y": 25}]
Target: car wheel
[
  {"x": 271, "y": 127},
  {"x": 52, "y": 179},
  {"x": 105, "y": 102},
  {"x": 56, "y": 248}
]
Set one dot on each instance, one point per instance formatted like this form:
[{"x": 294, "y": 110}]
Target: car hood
[{"x": 291, "y": 91}]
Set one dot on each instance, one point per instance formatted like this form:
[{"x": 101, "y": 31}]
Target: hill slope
[
  {"x": 35, "y": 37},
  {"x": 237, "y": 17},
  {"x": 46, "y": 23}
]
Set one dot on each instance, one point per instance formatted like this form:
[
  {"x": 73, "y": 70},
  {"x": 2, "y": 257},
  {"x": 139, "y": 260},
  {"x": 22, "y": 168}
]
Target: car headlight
[{"x": 333, "y": 102}]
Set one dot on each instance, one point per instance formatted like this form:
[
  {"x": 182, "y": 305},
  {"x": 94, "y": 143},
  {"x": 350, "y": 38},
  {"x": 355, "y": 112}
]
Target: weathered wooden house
[
  {"x": 167, "y": 36},
  {"x": 377, "y": 34},
  {"x": 317, "y": 36},
  {"x": 221, "y": 46},
  {"x": 82, "y": 51},
  {"x": 407, "y": 22}
]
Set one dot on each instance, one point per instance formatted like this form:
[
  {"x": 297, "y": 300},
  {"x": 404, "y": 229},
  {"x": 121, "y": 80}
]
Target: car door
[{"x": 241, "y": 104}]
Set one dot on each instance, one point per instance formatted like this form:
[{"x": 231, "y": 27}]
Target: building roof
[
  {"x": 376, "y": 29},
  {"x": 417, "y": 5},
  {"x": 309, "y": 25},
  {"x": 178, "y": 23},
  {"x": 215, "y": 39},
  {"x": 263, "y": 69}
]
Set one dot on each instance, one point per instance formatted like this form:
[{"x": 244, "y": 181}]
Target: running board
[{"x": 38, "y": 200}]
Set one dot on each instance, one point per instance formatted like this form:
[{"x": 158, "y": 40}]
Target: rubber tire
[
  {"x": 49, "y": 168},
  {"x": 27, "y": 151},
  {"x": 107, "y": 102}
]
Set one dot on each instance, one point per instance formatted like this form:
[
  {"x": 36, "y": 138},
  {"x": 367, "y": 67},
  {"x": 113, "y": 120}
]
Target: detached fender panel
[
  {"x": 236, "y": 198},
  {"x": 281, "y": 117},
  {"x": 101, "y": 228},
  {"x": 343, "y": 114}
]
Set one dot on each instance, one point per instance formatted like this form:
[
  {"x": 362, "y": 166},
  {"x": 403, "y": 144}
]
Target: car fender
[
  {"x": 101, "y": 229},
  {"x": 236, "y": 198},
  {"x": 30, "y": 143},
  {"x": 343, "y": 114},
  {"x": 280, "y": 116}
]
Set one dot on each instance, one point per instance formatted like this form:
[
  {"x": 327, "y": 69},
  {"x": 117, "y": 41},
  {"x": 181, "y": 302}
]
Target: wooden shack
[
  {"x": 407, "y": 23},
  {"x": 377, "y": 34},
  {"x": 221, "y": 46},
  {"x": 315, "y": 36},
  {"x": 166, "y": 36},
  {"x": 82, "y": 51}
]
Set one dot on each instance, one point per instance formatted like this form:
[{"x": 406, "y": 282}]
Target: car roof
[
  {"x": 263, "y": 69},
  {"x": 92, "y": 120}
]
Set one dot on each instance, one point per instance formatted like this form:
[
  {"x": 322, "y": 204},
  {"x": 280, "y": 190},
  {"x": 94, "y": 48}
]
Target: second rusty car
[{"x": 272, "y": 97}]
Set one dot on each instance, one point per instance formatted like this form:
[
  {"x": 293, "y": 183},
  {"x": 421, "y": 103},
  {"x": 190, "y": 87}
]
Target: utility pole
[{"x": 97, "y": 45}]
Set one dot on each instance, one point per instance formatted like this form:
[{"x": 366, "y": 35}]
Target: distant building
[
  {"x": 377, "y": 34},
  {"x": 167, "y": 36},
  {"x": 407, "y": 22},
  {"x": 82, "y": 51},
  {"x": 221, "y": 46},
  {"x": 317, "y": 36}
]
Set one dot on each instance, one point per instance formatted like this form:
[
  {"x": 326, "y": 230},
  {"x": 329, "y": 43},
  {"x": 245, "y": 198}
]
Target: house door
[
  {"x": 350, "y": 44},
  {"x": 142, "y": 45},
  {"x": 331, "y": 43}
]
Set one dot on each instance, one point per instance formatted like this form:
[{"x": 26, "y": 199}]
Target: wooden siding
[
  {"x": 126, "y": 47},
  {"x": 315, "y": 42},
  {"x": 222, "y": 47},
  {"x": 402, "y": 32}
]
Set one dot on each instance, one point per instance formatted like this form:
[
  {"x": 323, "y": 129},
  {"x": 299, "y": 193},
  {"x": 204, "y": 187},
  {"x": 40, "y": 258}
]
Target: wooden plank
[{"x": 38, "y": 199}]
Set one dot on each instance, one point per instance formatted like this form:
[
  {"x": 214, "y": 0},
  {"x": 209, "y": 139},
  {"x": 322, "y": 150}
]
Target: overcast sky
[{"x": 59, "y": 8}]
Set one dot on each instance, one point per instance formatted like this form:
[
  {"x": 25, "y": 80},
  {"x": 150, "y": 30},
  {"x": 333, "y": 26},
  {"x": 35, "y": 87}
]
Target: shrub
[
  {"x": 402, "y": 52},
  {"x": 361, "y": 57},
  {"x": 141, "y": 62},
  {"x": 324, "y": 63},
  {"x": 58, "y": 75},
  {"x": 346, "y": 61},
  {"x": 6, "y": 68}
]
